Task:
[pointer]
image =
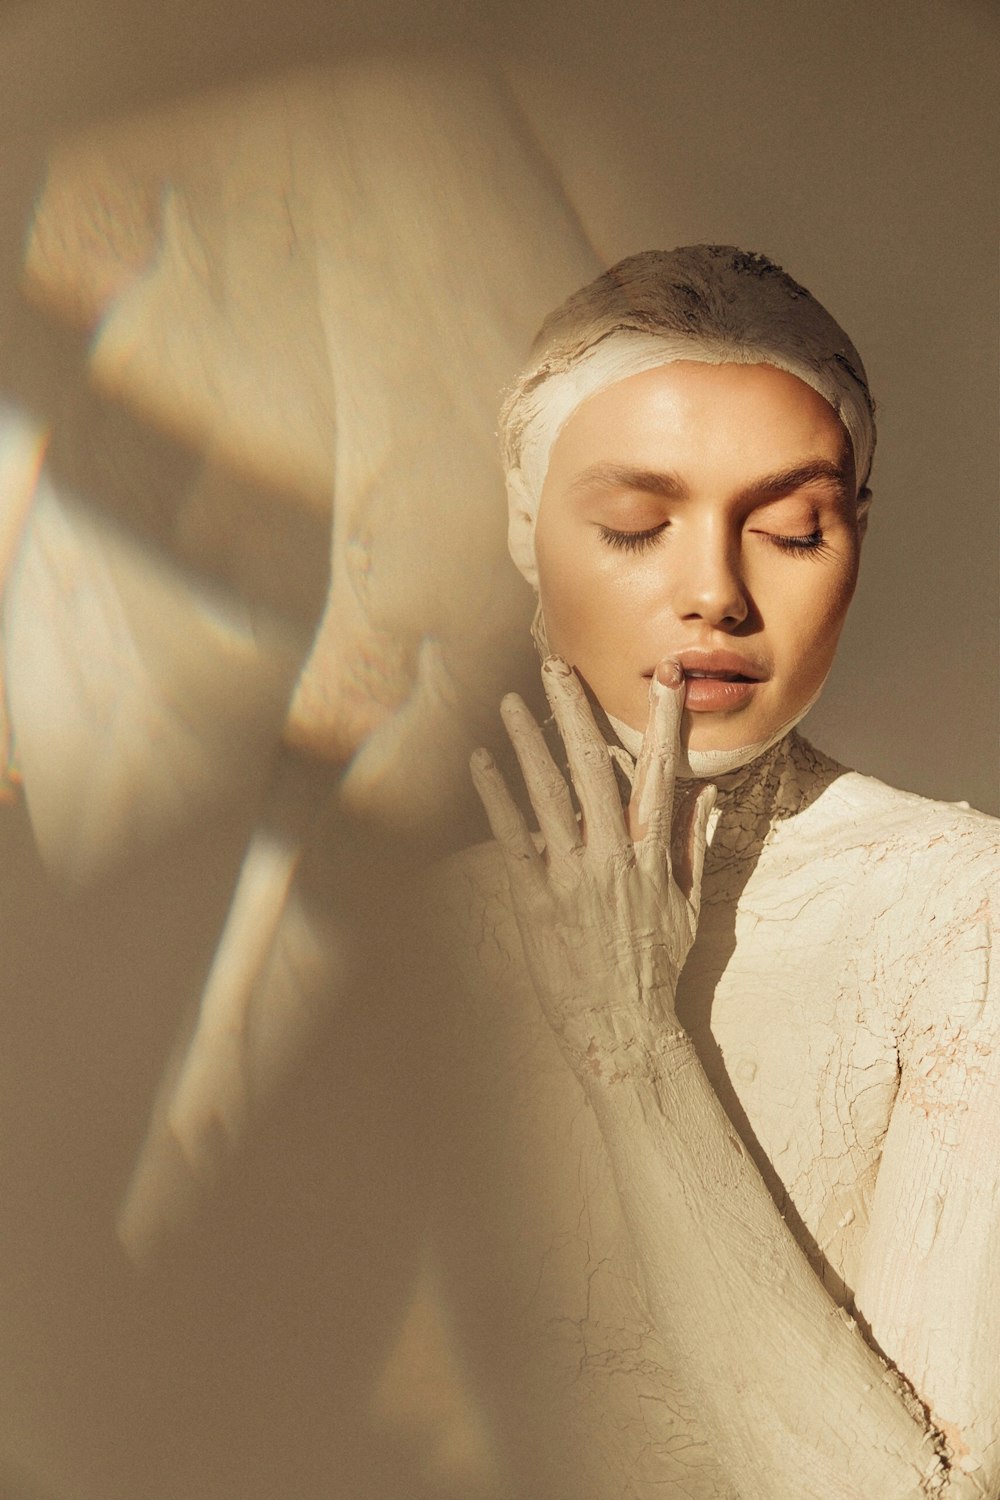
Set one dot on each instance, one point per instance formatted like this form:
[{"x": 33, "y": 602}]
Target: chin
[{"x": 728, "y": 736}]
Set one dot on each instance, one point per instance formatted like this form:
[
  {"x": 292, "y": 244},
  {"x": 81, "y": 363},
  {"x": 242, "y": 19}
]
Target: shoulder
[
  {"x": 927, "y": 891},
  {"x": 913, "y": 883},
  {"x": 904, "y": 836}
]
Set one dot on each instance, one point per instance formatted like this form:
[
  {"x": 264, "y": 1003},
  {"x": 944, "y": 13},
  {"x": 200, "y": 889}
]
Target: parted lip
[{"x": 730, "y": 666}]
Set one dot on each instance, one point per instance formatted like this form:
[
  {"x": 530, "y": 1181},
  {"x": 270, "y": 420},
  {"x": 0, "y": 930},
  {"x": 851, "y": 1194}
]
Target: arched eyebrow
[
  {"x": 610, "y": 476},
  {"x": 787, "y": 481}
]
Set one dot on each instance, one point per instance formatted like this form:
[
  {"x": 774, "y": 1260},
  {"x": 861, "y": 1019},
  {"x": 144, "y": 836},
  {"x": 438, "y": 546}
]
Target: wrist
[{"x": 646, "y": 1054}]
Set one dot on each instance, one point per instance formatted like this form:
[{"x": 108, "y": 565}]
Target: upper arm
[{"x": 930, "y": 1284}]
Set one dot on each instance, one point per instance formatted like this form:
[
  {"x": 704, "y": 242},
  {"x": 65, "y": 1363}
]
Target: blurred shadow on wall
[{"x": 256, "y": 609}]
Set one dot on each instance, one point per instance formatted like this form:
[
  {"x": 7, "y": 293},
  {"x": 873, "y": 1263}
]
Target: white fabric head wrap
[{"x": 711, "y": 303}]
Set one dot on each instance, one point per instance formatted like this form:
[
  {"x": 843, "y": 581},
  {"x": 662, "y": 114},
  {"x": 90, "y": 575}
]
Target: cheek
[
  {"x": 575, "y": 593},
  {"x": 807, "y": 616},
  {"x": 597, "y": 616}
]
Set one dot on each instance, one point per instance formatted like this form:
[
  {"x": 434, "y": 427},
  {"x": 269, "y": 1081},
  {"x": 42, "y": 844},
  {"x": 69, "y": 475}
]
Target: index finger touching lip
[
  {"x": 656, "y": 768},
  {"x": 669, "y": 673}
]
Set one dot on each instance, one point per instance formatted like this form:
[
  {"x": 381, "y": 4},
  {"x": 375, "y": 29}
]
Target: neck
[{"x": 755, "y": 798}]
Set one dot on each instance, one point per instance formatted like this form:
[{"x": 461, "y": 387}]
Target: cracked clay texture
[{"x": 840, "y": 998}]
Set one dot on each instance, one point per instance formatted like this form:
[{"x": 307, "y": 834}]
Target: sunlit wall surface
[{"x": 266, "y": 271}]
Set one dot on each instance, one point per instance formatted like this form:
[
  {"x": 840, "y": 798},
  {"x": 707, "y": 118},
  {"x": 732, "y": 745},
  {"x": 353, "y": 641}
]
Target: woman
[{"x": 756, "y": 1255}]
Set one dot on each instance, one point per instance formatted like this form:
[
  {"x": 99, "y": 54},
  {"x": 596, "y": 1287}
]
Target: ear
[
  {"x": 521, "y": 527},
  {"x": 864, "y": 506}
]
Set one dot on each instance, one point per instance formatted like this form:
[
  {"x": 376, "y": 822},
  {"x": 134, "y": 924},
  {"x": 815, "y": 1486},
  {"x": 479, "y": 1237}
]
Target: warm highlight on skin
[{"x": 686, "y": 447}]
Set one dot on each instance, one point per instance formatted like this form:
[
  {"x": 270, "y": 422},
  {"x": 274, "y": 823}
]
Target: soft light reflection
[
  {"x": 138, "y": 697},
  {"x": 22, "y": 452},
  {"x": 425, "y": 1389},
  {"x": 323, "y": 283},
  {"x": 298, "y": 303}
]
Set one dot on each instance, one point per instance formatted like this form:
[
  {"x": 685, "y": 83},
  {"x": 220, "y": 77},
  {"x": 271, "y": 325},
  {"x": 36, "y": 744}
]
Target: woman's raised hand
[{"x": 608, "y": 907}]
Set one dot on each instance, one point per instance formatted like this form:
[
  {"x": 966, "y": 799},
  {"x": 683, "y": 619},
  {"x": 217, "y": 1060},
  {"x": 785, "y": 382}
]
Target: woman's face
[{"x": 705, "y": 512}]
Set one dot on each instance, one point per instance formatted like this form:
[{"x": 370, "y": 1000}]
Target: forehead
[{"x": 724, "y": 417}]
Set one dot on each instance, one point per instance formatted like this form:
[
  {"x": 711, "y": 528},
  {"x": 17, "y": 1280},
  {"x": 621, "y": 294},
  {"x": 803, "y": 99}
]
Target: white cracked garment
[{"x": 840, "y": 999}]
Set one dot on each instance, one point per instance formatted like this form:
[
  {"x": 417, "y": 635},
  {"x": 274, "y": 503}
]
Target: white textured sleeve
[{"x": 930, "y": 1286}]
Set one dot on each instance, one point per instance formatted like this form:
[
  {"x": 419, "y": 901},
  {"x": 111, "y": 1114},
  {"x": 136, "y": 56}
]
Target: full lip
[{"x": 727, "y": 666}]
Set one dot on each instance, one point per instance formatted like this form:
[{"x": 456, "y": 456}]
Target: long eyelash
[
  {"x": 631, "y": 541},
  {"x": 812, "y": 545}
]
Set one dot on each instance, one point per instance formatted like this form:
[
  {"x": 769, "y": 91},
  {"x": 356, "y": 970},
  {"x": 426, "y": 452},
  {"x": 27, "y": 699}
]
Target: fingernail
[
  {"x": 668, "y": 674},
  {"x": 557, "y": 666},
  {"x": 481, "y": 759}
]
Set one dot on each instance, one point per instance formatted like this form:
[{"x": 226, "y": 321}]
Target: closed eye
[
  {"x": 813, "y": 544},
  {"x": 631, "y": 541}
]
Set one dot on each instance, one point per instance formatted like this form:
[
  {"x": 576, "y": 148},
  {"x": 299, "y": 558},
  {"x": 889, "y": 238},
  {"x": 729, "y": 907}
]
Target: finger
[
  {"x": 589, "y": 761},
  {"x": 546, "y": 785},
  {"x": 651, "y": 807},
  {"x": 690, "y": 846},
  {"x": 507, "y": 825}
]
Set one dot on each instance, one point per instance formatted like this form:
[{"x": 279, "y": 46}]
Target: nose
[{"x": 708, "y": 581}]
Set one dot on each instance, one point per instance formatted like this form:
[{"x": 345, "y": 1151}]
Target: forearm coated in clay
[{"x": 795, "y": 1399}]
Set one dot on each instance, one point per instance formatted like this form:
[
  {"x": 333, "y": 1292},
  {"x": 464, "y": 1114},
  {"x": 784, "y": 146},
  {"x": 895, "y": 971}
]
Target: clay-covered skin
[
  {"x": 751, "y": 1258},
  {"x": 759, "y": 1265}
]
